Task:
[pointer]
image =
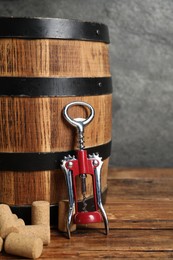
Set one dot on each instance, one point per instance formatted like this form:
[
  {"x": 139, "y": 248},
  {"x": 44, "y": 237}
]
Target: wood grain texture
[
  {"x": 36, "y": 124},
  {"x": 53, "y": 58},
  {"x": 140, "y": 212}
]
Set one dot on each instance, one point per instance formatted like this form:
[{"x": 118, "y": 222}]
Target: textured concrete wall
[{"x": 141, "y": 54}]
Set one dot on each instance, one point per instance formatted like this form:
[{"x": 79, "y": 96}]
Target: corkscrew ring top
[{"x": 80, "y": 123}]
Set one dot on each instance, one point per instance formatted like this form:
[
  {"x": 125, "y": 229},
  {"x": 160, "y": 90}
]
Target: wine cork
[
  {"x": 62, "y": 217},
  {"x": 41, "y": 213},
  {"x": 41, "y": 231},
  {"x": 10, "y": 226},
  {"x": 19, "y": 222},
  {"x": 8, "y": 221},
  {"x": 15, "y": 217},
  {"x": 4, "y": 208},
  {"x": 1, "y": 244},
  {"x": 22, "y": 245},
  {"x": 7, "y": 228},
  {"x": 5, "y": 214}
]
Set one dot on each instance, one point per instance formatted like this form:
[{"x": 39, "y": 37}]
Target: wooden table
[{"x": 140, "y": 211}]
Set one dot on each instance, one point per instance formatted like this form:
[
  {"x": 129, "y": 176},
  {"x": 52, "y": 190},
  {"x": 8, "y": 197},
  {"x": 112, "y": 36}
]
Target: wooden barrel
[{"x": 44, "y": 65}]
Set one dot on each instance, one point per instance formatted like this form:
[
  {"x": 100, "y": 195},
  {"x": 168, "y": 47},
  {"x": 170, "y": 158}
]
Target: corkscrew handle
[{"x": 79, "y": 123}]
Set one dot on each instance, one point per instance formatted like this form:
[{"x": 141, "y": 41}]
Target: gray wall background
[{"x": 141, "y": 56}]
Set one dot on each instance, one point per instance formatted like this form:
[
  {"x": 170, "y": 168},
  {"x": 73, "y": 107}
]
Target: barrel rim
[{"x": 52, "y": 28}]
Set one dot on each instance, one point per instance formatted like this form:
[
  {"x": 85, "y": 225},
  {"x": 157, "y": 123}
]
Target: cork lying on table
[
  {"x": 15, "y": 216},
  {"x": 8, "y": 222},
  {"x": 19, "y": 239},
  {"x": 10, "y": 226},
  {"x": 41, "y": 231},
  {"x": 41, "y": 213},
  {"x": 4, "y": 208},
  {"x": 5, "y": 213},
  {"x": 22, "y": 245}
]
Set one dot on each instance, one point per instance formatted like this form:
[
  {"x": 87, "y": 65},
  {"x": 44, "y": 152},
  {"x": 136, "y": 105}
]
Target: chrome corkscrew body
[{"x": 81, "y": 166}]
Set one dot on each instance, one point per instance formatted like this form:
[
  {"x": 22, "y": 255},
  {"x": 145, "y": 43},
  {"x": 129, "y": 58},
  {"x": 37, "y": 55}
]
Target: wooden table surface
[{"x": 140, "y": 210}]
